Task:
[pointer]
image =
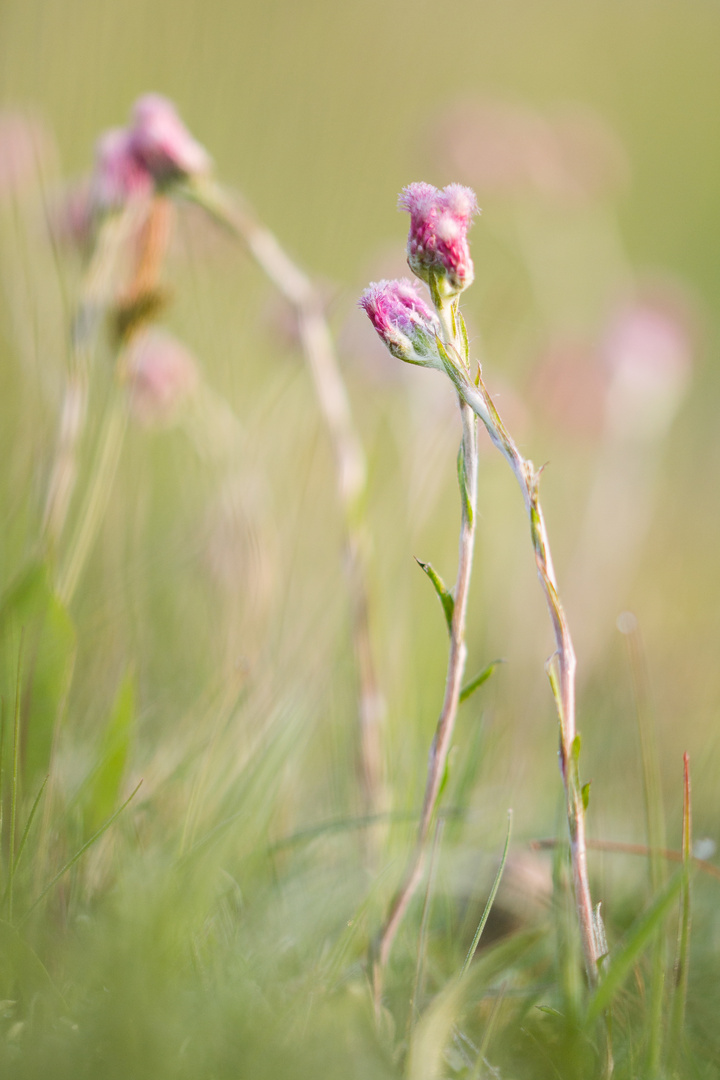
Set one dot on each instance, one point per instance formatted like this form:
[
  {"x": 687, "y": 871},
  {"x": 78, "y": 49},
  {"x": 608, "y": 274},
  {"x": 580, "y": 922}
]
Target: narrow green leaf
[
  {"x": 31, "y": 609},
  {"x": 469, "y": 689},
  {"x": 575, "y": 748},
  {"x": 491, "y": 898},
  {"x": 444, "y": 595},
  {"x": 462, "y": 483},
  {"x": 79, "y": 854},
  {"x": 464, "y": 335},
  {"x": 585, "y": 792},
  {"x": 638, "y": 937},
  {"x": 28, "y": 823},
  {"x": 105, "y": 782}
]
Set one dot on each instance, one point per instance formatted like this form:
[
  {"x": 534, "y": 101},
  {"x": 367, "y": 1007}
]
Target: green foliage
[
  {"x": 103, "y": 788},
  {"x": 443, "y": 593},
  {"x": 31, "y": 615}
]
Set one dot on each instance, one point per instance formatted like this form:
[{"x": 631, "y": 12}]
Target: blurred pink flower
[
  {"x": 162, "y": 143},
  {"x": 647, "y": 349},
  {"x": 570, "y": 386},
  {"x": 437, "y": 242},
  {"x": 161, "y": 375},
  {"x": 404, "y": 322},
  {"x": 569, "y": 156},
  {"x": 119, "y": 175}
]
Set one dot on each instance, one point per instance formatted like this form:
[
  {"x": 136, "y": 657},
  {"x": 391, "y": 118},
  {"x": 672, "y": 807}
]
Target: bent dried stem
[
  {"x": 453, "y": 682},
  {"x": 561, "y": 665},
  {"x": 348, "y": 454}
]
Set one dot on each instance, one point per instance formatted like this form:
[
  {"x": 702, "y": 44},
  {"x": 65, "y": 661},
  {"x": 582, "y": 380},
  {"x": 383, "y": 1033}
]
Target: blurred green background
[{"x": 320, "y": 113}]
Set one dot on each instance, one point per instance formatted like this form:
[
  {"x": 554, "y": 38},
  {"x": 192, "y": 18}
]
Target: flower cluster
[
  {"x": 437, "y": 243},
  {"x": 405, "y": 323},
  {"x": 156, "y": 150}
]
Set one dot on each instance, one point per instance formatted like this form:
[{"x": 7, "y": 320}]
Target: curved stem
[
  {"x": 453, "y": 682},
  {"x": 561, "y": 666},
  {"x": 349, "y": 457}
]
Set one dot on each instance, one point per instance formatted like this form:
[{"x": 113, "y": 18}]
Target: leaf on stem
[
  {"x": 444, "y": 595},
  {"x": 464, "y": 493},
  {"x": 469, "y": 689},
  {"x": 105, "y": 781}
]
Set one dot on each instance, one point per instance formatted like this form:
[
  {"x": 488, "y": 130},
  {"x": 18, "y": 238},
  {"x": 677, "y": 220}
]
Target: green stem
[{"x": 467, "y": 475}]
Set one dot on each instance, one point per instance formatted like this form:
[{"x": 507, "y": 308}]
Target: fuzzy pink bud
[
  {"x": 437, "y": 242},
  {"x": 161, "y": 376},
  {"x": 119, "y": 176},
  {"x": 163, "y": 144},
  {"x": 405, "y": 323}
]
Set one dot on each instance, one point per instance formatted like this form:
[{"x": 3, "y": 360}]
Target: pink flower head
[
  {"x": 161, "y": 375},
  {"x": 119, "y": 176},
  {"x": 163, "y": 144},
  {"x": 437, "y": 243},
  {"x": 405, "y": 323}
]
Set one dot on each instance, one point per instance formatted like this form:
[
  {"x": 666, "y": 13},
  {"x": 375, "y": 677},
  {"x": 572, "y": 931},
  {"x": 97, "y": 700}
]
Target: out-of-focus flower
[
  {"x": 154, "y": 152},
  {"x": 162, "y": 143},
  {"x": 27, "y": 148},
  {"x": 437, "y": 242},
  {"x": 119, "y": 175},
  {"x": 405, "y": 323},
  {"x": 570, "y": 156},
  {"x": 648, "y": 351},
  {"x": 570, "y": 386},
  {"x": 160, "y": 375}
]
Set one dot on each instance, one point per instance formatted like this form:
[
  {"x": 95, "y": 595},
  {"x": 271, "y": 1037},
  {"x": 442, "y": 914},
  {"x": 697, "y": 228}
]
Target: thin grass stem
[
  {"x": 79, "y": 854},
  {"x": 679, "y": 1001},
  {"x": 655, "y": 825},
  {"x": 14, "y": 783},
  {"x": 26, "y": 833},
  {"x": 490, "y": 900},
  {"x": 424, "y": 921}
]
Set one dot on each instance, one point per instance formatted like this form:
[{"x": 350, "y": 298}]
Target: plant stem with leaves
[
  {"x": 456, "y": 611},
  {"x": 561, "y": 665}
]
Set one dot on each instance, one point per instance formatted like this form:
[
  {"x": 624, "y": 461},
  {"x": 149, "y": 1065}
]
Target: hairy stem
[
  {"x": 453, "y": 682},
  {"x": 561, "y": 666}
]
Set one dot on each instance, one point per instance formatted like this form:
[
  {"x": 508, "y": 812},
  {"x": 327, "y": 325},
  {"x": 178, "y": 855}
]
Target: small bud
[
  {"x": 163, "y": 144},
  {"x": 437, "y": 242},
  {"x": 160, "y": 375},
  {"x": 119, "y": 175},
  {"x": 406, "y": 324}
]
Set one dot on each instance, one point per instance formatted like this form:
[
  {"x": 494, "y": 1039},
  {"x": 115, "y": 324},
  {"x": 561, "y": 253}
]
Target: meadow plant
[
  {"x": 438, "y": 253},
  {"x": 198, "y": 942}
]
